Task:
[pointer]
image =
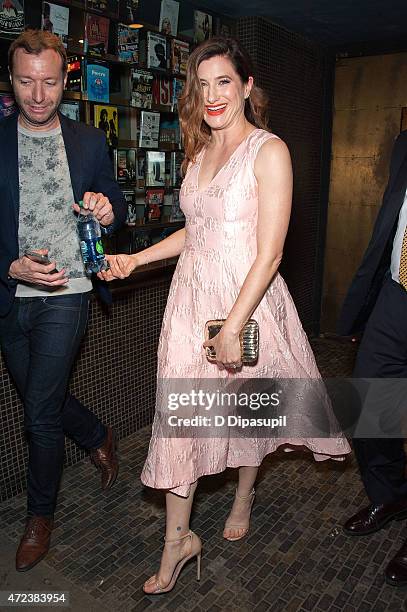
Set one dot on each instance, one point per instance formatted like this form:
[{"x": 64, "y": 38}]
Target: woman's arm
[
  {"x": 122, "y": 265},
  {"x": 274, "y": 177}
]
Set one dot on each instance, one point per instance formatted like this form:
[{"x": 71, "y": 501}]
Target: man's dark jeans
[{"x": 39, "y": 340}]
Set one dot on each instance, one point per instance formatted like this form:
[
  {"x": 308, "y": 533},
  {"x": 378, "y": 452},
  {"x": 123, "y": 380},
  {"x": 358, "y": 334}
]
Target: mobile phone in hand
[{"x": 39, "y": 258}]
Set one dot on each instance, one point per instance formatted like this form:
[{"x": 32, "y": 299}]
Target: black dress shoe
[
  {"x": 105, "y": 458},
  {"x": 374, "y": 517},
  {"x": 396, "y": 571}
]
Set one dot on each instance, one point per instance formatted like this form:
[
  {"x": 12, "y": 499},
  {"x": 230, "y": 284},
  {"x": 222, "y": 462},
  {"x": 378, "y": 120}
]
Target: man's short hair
[{"x": 36, "y": 41}]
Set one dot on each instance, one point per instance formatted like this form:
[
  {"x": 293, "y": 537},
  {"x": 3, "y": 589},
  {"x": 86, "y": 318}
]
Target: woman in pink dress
[{"x": 236, "y": 197}]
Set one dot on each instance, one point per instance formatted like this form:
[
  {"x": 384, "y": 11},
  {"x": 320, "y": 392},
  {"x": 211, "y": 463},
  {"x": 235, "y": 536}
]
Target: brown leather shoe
[
  {"x": 396, "y": 571},
  {"x": 105, "y": 458},
  {"x": 374, "y": 517},
  {"x": 34, "y": 544}
]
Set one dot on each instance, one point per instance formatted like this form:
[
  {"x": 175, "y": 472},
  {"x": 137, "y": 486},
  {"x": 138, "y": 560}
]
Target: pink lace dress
[{"x": 220, "y": 248}]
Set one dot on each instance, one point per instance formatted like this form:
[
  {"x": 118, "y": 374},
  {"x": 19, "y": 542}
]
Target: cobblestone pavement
[{"x": 105, "y": 545}]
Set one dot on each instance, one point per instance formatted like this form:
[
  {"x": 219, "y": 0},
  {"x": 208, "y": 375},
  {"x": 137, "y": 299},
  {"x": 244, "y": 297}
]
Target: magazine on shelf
[
  {"x": 176, "y": 212},
  {"x": 169, "y": 17},
  {"x": 176, "y": 161},
  {"x": 125, "y": 166},
  {"x": 142, "y": 240},
  {"x": 149, "y": 129},
  {"x": 179, "y": 56},
  {"x": 127, "y": 43},
  {"x": 7, "y": 105},
  {"x": 141, "y": 83},
  {"x": 155, "y": 169},
  {"x": 177, "y": 89},
  {"x": 105, "y": 118},
  {"x": 153, "y": 51},
  {"x": 131, "y": 7},
  {"x": 11, "y": 17},
  {"x": 55, "y": 19},
  {"x": 130, "y": 198},
  {"x": 162, "y": 91},
  {"x": 97, "y": 82},
  {"x": 154, "y": 202},
  {"x": 96, "y": 35},
  {"x": 71, "y": 110},
  {"x": 202, "y": 26},
  {"x": 169, "y": 130},
  {"x": 141, "y": 169}
]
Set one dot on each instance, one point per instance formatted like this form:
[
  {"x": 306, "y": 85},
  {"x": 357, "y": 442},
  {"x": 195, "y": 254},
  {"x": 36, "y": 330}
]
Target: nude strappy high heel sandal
[
  {"x": 245, "y": 526},
  {"x": 196, "y": 548}
]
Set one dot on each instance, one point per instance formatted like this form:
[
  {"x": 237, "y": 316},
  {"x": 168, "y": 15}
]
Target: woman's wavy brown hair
[{"x": 196, "y": 133}]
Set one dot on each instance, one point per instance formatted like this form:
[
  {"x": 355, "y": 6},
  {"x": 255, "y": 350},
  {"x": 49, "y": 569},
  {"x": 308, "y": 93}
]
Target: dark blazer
[
  {"x": 90, "y": 169},
  {"x": 368, "y": 280}
]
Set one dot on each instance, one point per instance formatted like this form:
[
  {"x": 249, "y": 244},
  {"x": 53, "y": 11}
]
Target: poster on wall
[
  {"x": 11, "y": 16},
  {"x": 55, "y": 19},
  {"x": 202, "y": 26}
]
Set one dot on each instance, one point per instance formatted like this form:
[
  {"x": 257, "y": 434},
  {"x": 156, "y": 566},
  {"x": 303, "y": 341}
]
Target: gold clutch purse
[{"x": 249, "y": 340}]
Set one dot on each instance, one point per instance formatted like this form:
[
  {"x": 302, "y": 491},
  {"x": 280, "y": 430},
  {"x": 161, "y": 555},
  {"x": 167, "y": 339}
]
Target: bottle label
[{"x": 92, "y": 250}]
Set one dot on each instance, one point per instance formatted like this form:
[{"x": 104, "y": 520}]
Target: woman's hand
[
  {"x": 121, "y": 266},
  {"x": 227, "y": 348}
]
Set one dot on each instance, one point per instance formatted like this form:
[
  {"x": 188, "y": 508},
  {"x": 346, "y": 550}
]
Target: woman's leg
[
  {"x": 237, "y": 523},
  {"x": 177, "y": 525}
]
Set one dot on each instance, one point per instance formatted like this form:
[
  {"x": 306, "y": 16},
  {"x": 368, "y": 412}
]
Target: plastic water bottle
[{"x": 91, "y": 244}]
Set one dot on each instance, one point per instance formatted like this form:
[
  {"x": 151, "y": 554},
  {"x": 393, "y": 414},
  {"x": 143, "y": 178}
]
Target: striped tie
[{"x": 403, "y": 262}]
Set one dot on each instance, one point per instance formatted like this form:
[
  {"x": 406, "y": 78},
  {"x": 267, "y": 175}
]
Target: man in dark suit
[
  {"x": 377, "y": 303},
  {"x": 48, "y": 162}
]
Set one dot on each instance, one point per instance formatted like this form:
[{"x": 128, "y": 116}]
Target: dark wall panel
[{"x": 295, "y": 72}]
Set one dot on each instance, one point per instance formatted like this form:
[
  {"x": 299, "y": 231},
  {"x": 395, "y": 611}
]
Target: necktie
[{"x": 403, "y": 262}]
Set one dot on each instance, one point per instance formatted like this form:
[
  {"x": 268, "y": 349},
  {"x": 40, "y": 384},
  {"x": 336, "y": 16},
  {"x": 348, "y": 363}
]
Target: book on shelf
[
  {"x": 104, "y": 6},
  {"x": 154, "y": 202},
  {"x": 169, "y": 130},
  {"x": 153, "y": 51},
  {"x": 176, "y": 161},
  {"x": 97, "y": 82},
  {"x": 149, "y": 129},
  {"x": 169, "y": 17},
  {"x": 162, "y": 91},
  {"x": 74, "y": 71},
  {"x": 8, "y": 105},
  {"x": 141, "y": 87},
  {"x": 55, "y": 19},
  {"x": 179, "y": 56},
  {"x": 127, "y": 43},
  {"x": 155, "y": 169},
  {"x": 177, "y": 89},
  {"x": 105, "y": 118},
  {"x": 202, "y": 26},
  {"x": 71, "y": 110},
  {"x": 125, "y": 166},
  {"x": 11, "y": 16},
  {"x": 176, "y": 212},
  {"x": 130, "y": 198},
  {"x": 96, "y": 35}
]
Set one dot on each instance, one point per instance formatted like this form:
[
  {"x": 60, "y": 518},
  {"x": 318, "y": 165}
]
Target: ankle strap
[
  {"x": 245, "y": 496},
  {"x": 187, "y": 535}
]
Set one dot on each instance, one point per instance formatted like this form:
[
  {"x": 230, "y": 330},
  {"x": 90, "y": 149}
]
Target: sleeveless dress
[{"x": 220, "y": 247}]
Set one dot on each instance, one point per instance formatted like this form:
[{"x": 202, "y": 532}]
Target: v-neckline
[{"x": 202, "y": 155}]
